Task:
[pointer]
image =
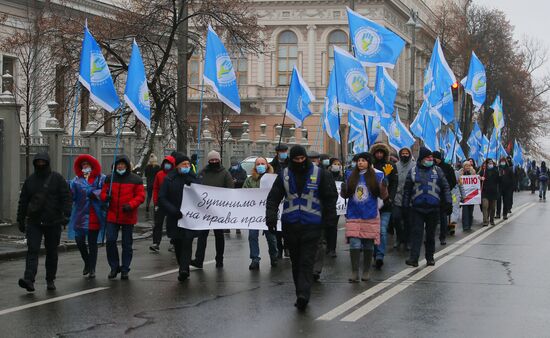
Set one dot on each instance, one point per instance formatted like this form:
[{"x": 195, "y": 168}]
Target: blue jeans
[
  {"x": 467, "y": 216},
  {"x": 380, "y": 250},
  {"x": 255, "y": 247},
  {"x": 111, "y": 234},
  {"x": 543, "y": 186},
  {"x": 356, "y": 243}
]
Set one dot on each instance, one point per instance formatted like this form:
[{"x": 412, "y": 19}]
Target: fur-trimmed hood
[
  {"x": 381, "y": 146},
  {"x": 96, "y": 167}
]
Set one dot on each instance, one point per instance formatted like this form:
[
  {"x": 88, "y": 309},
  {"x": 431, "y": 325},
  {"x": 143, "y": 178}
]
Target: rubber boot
[
  {"x": 354, "y": 255},
  {"x": 367, "y": 258}
]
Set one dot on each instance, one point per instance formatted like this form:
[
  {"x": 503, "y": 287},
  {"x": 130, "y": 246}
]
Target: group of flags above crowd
[{"x": 369, "y": 112}]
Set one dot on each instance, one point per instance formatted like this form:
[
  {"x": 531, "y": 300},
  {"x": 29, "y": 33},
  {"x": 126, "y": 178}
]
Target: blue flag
[
  {"x": 518, "y": 154},
  {"x": 474, "y": 145},
  {"x": 417, "y": 126},
  {"x": 385, "y": 91},
  {"x": 136, "y": 94},
  {"x": 458, "y": 132},
  {"x": 351, "y": 81},
  {"x": 501, "y": 151},
  {"x": 219, "y": 72},
  {"x": 476, "y": 131},
  {"x": 426, "y": 126},
  {"x": 95, "y": 74},
  {"x": 400, "y": 137},
  {"x": 498, "y": 114},
  {"x": 484, "y": 147},
  {"x": 493, "y": 145},
  {"x": 445, "y": 109},
  {"x": 374, "y": 45},
  {"x": 438, "y": 77},
  {"x": 357, "y": 126},
  {"x": 476, "y": 81},
  {"x": 331, "y": 123},
  {"x": 299, "y": 98}
]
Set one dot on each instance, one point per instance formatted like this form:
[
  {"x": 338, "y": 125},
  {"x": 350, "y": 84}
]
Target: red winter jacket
[
  {"x": 160, "y": 176},
  {"x": 126, "y": 189}
]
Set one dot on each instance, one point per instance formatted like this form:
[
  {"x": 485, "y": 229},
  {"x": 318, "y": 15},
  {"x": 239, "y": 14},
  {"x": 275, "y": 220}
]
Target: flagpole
[
  {"x": 366, "y": 132},
  {"x": 319, "y": 134},
  {"x": 284, "y": 113},
  {"x": 341, "y": 138},
  {"x": 77, "y": 96},
  {"x": 198, "y": 149}
]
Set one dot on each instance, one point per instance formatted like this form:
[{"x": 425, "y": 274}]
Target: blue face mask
[
  {"x": 235, "y": 167},
  {"x": 184, "y": 170},
  {"x": 167, "y": 166},
  {"x": 326, "y": 163},
  {"x": 428, "y": 163},
  {"x": 261, "y": 168},
  {"x": 283, "y": 156},
  {"x": 121, "y": 171}
]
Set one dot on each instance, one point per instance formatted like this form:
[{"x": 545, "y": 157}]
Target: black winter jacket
[
  {"x": 57, "y": 205},
  {"x": 449, "y": 174},
  {"x": 489, "y": 186},
  {"x": 328, "y": 196},
  {"x": 170, "y": 197},
  {"x": 390, "y": 173}
]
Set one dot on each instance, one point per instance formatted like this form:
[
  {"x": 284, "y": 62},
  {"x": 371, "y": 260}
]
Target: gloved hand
[
  {"x": 21, "y": 225},
  {"x": 387, "y": 169},
  {"x": 272, "y": 227},
  {"x": 179, "y": 215},
  {"x": 127, "y": 208}
]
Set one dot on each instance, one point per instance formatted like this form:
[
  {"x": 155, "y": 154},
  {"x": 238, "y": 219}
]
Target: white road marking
[
  {"x": 51, "y": 300},
  {"x": 348, "y": 305},
  {"x": 169, "y": 272},
  {"x": 381, "y": 299}
]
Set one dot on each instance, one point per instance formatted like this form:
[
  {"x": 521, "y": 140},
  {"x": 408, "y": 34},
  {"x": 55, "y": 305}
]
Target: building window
[
  {"x": 240, "y": 64},
  {"x": 287, "y": 56},
  {"x": 193, "y": 77},
  {"x": 336, "y": 38}
]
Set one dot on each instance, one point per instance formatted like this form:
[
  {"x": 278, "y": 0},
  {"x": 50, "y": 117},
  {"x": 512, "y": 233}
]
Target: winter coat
[
  {"x": 239, "y": 175},
  {"x": 88, "y": 212},
  {"x": 170, "y": 199},
  {"x": 449, "y": 174},
  {"x": 390, "y": 172},
  {"x": 328, "y": 196},
  {"x": 253, "y": 181},
  {"x": 57, "y": 204},
  {"x": 126, "y": 189},
  {"x": 542, "y": 174},
  {"x": 506, "y": 178},
  {"x": 278, "y": 166},
  {"x": 403, "y": 169},
  {"x": 151, "y": 171},
  {"x": 159, "y": 177},
  {"x": 216, "y": 177},
  {"x": 423, "y": 175},
  {"x": 489, "y": 186}
]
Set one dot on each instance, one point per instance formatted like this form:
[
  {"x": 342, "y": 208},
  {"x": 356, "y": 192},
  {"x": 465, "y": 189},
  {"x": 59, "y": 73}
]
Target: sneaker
[
  {"x": 50, "y": 285},
  {"x": 86, "y": 270},
  {"x": 114, "y": 272},
  {"x": 412, "y": 262},
  {"x": 154, "y": 247},
  {"x": 124, "y": 275},
  {"x": 26, "y": 284},
  {"x": 255, "y": 265},
  {"x": 195, "y": 264},
  {"x": 505, "y": 217},
  {"x": 183, "y": 276},
  {"x": 91, "y": 275},
  {"x": 430, "y": 261},
  {"x": 301, "y": 303}
]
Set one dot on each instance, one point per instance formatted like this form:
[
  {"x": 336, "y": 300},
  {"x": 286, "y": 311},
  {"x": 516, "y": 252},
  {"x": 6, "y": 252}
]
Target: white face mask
[
  {"x": 335, "y": 168},
  {"x": 87, "y": 170}
]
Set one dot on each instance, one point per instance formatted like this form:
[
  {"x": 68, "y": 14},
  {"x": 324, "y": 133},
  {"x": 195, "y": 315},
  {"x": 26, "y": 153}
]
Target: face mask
[
  {"x": 260, "y": 168},
  {"x": 503, "y": 164},
  {"x": 428, "y": 163},
  {"x": 298, "y": 167},
  {"x": 283, "y": 156},
  {"x": 86, "y": 170},
  {"x": 214, "y": 165},
  {"x": 184, "y": 170},
  {"x": 405, "y": 158},
  {"x": 235, "y": 167},
  {"x": 121, "y": 171},
  {"x": 167, "y": 166},
  {"x": 490, "y": 166},
  {"x": 335, "y": 168},
  {"x": 326, "y": 163}
]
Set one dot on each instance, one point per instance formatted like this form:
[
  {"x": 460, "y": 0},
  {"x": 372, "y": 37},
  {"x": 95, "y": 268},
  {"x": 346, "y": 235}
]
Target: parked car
[{"x": 248, "y": 163}]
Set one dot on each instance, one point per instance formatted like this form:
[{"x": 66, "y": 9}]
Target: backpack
[{"x": 543, "y": 177}]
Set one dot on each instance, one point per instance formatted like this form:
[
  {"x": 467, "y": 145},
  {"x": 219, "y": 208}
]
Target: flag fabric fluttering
[
  {"x": 331, "y": 121},
  {"x": 385, "y": 91},
  {"x": 136, "y": 93},
  {"x": 219, "y": 73},
  {"x": 400, "y": 137},
  {"x": 484, "y": 147},
  {"x": 95, "y": 75},
  {"x": 438, "y": 77},
  {"x": 298, "y": 99},
  {"x": 518, "y": 154},
  {"x": 458, "y": 132},
  {"x": 498, "y": 114},
  {"x": 351, "y": 82},
  {"x": 374, "y": 44},
  {"x": 476, "y": 81},
  {"x": 445, "y": 109},
  {"x": 493, "y": 145},
  {"x": 474, "y": 146}
]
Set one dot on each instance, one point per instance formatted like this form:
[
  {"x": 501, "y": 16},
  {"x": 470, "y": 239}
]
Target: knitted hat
[
  {"x": 181, "y": 158},
  {"x": 297, "y": 151},
  {"x": 423, "y": 153},
  {"x": 213, "y": 155},
  {"x": 437, "y": 154},
  {"x": 313, "y": 154},
  {"x": 281, "y": 147},
  {"x": 366, "y": 156}
]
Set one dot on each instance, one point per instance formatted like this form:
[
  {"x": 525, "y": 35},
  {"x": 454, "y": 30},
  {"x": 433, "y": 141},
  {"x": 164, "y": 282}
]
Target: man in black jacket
[
  {"x": 280, "y": 162},
  {"x": 44, "y": 206},
  {"x": 451, "y": 180},
  {"x": 310, "y": 196}
]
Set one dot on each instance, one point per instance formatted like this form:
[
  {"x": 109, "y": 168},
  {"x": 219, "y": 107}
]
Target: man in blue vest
[
  {"x": 426, "y": 189},
  {"x": 309, "y": 195}
]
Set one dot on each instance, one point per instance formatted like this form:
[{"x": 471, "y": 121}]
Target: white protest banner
[
  {"x": 267, "y": 180},
  {"x": 341, "y": 204},
  {"x": 472, "y": 190},
  {"x": 211, "y": 208}
]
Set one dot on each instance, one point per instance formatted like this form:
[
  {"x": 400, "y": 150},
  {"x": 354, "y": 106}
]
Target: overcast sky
[{"x": 529, "y": 17}]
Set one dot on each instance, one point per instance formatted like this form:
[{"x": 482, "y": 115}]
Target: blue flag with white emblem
[
  {"x": 385, "y": 91},
  {"x": 136, "y": 94},
  {"x": 331, "y": 123},
  {"x": 400, "y": 137},
  {"x": 518, "y": 154},
  {"x": 351, "y": 81},
  {"x": 374, "y": 44},
  {"x": 476, "y": 81},
  {"x": 445, "y": 109},
  {"x": 95, "y": 75},
  {"x": 494, "y": 141},
  {"x": 458, "y": 132},
  {"x": 474, "y": 145},
  {"x": 438, "y": 77},
  {"x": 498, "y": 114},
  {"x": 299, "y": 98},
  {"x": 484, "y": 147},
  {"x": 219, "y": 72}
]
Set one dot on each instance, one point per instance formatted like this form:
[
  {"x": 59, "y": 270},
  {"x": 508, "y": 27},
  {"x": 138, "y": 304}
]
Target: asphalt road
[{"x": 489, "y": 283}]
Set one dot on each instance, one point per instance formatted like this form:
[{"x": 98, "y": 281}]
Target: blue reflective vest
[
  {"x": 426, "y": 192},
  {"x": 304, "y": 208},
  {"x": 363, "y": 204}
]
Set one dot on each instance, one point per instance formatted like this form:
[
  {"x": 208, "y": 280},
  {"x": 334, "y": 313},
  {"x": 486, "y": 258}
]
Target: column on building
[{"x": 311, "y": 53}]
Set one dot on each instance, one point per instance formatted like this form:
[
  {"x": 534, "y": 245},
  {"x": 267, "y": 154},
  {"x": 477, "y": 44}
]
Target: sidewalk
[{"x": 13, "y": 244}]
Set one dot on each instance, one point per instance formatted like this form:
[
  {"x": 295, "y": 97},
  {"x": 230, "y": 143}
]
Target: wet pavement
[{"x": 489, "y": 283}]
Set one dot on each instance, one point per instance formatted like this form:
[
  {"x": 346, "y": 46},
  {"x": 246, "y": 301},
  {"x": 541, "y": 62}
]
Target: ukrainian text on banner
[
  {"x": 472, "y": 190},
  {"x": 205, "y": 208}
]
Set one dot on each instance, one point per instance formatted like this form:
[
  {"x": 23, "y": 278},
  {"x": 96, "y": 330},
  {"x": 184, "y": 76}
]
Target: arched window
[
  {"x": 336, "y": 38},
  {"x": 287, "y": 56}
]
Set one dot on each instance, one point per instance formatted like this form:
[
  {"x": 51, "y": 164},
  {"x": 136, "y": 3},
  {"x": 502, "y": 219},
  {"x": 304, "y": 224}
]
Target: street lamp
[{"x": 414, "y": 24}]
